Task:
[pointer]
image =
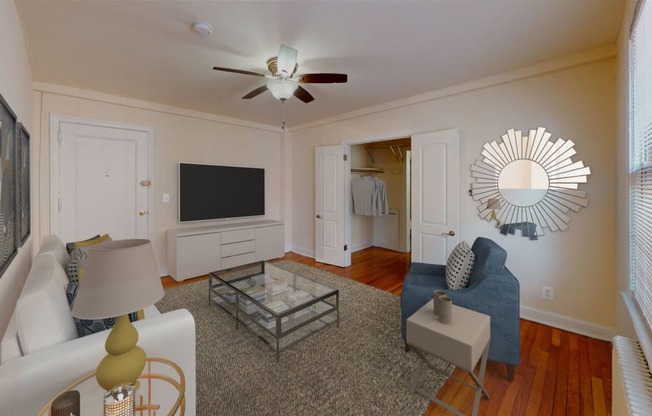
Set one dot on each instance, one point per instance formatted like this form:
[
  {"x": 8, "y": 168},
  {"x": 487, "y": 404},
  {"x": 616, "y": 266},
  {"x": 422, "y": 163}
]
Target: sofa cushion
[
  {"x": 79, "y": 254},
  {"x": 459, "y": 266},
  {"x": 42, "y": 313},
  {"x": 53, "y": 246},
  {"x": 90, "y": 326}
]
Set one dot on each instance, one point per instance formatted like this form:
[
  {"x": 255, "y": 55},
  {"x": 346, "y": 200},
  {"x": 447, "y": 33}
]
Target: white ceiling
[{"x": 390, "y": 49}]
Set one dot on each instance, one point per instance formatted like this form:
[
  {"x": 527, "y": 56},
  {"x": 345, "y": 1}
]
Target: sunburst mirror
[{"x": 529, "y": 183}]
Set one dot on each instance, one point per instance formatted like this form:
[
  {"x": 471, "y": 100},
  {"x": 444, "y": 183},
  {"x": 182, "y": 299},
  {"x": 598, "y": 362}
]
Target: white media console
[{"x": 198, "y": 251}]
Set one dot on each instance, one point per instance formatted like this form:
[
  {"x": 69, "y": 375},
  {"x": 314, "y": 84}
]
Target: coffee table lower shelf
[{"x": 283, "y": 339}]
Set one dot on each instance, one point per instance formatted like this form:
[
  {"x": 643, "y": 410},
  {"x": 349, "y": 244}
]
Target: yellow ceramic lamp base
[{"x": 125, "y": 361}]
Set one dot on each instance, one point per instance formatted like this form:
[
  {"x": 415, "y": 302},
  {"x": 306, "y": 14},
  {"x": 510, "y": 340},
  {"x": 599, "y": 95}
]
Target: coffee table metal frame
[{"x": 330, "y": 300}]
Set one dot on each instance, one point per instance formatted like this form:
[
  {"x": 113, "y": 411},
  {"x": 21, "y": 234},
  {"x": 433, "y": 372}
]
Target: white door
[
  {"x": 332, "y": 203},
  {"x": 100, "y": 180},
  {"x": 435, "y": 195}
]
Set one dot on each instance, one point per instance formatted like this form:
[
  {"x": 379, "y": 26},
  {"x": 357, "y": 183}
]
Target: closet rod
[{"x": 368, "y": 170}]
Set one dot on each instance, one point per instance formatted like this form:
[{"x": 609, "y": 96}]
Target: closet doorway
[
  {"x": 383, "y": 168},
  {"x": 422, "y": 211}
]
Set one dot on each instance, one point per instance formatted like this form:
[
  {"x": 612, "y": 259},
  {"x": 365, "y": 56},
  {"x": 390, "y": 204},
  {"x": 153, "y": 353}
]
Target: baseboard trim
[
  {"x": 163, "y": 271},
  {"x": 361, "y": 246},
  {"x": 304, "y": 252},
  {"x": 567, "y": 323}
]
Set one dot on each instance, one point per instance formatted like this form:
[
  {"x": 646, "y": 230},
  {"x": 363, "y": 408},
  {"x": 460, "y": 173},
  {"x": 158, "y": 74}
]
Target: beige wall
[
  {"x": 394, "y": 178},
  {"x": 575, "y": 103},
  {"x": 16, "y": 87},
  {"x": 185, "y": 136}
]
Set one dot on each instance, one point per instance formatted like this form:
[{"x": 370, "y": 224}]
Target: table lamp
[{"x": 120, "y": 277}]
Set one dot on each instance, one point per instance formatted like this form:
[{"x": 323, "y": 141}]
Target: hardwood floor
[{"x": 561, "y": 373}]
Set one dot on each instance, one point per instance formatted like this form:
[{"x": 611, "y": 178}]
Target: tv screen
[{"x": 208, "y": 192}]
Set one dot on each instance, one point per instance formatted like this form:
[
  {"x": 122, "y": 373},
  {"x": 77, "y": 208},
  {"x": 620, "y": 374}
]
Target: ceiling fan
[{"x": 283, "y": 81}]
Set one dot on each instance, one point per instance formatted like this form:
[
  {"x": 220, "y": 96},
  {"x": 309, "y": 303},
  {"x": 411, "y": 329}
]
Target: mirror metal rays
[{"x": 529, "y": 182}]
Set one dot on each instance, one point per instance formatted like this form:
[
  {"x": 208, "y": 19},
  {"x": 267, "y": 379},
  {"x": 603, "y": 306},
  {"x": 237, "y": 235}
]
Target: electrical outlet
[
  {"x": 166, "y": 197},
  {"x": 548, "y": 292}
]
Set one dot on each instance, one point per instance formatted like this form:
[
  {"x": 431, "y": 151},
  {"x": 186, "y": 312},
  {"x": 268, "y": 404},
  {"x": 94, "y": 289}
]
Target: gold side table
[{"x": 162, "y": 386}]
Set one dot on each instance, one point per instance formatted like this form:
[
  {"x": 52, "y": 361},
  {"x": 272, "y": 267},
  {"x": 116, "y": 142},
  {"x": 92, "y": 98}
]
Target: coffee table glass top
[{"x": 266, "y": 288}]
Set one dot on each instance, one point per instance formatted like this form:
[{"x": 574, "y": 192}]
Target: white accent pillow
[{"x": 459, "y": 266}]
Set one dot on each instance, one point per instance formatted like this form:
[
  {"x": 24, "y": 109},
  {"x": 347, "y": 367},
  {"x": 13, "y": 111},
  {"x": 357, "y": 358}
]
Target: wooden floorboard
[{"x": 561, "y": 373}]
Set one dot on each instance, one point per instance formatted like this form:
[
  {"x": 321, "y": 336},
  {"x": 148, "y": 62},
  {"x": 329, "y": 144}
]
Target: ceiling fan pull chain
[{"x": 283, "y": 112}]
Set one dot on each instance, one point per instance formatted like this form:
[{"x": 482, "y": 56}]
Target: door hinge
[
  {"x": 346, "y": 157},
  {"x": 59, "y": 204},
  {"x": 59, "y": 136},
  {"x": 346, "y": 247}
]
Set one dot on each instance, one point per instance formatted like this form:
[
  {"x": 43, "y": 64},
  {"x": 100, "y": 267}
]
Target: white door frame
[
  {"x": 381, "y": 138},
  {"x": 372, "y": 139},
  {"x": 55, "y": 121}
]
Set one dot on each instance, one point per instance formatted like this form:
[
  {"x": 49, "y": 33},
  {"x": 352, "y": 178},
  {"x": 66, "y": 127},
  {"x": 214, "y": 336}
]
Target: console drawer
[
  {"x": 236, "y": 236},
  {"x": 239, "y": 260},
  {"x": 234, "y": 249}
]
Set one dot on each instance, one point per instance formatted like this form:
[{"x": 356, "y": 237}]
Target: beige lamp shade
[{"x": 120, "y": 277}]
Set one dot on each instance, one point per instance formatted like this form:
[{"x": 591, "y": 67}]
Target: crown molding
[
  {"x": 74, "y": 92},
  {"x": 541, "y": 68}
]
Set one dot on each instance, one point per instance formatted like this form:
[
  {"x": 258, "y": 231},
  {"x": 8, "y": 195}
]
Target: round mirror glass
[{"x": 523, "y": 183}]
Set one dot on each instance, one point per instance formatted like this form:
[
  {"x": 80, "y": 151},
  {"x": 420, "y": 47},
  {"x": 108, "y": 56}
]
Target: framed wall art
[
  {"x": 8, "y": 237},
  {"x": 22, "y": 185}
]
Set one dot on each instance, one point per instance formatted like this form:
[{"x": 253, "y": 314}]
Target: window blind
[{"x": 641, "y": 160}]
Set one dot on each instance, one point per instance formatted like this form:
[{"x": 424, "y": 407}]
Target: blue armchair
[{"x": 492, "y": 290}]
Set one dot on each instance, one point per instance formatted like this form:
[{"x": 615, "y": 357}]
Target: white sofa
[{"x": 40, "y": 354}]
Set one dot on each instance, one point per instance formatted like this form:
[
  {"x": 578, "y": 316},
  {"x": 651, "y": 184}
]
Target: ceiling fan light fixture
[{"x": 282, "y": 89}]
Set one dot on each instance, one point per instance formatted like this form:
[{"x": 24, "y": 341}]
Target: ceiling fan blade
[
  {"x": 238, "y": 71},
  {"x": 323, "y": 78},
  {"x": 255, "y": 92},
  {"x": 287, "y": 60},
  {"x": 303, "y": 95}
]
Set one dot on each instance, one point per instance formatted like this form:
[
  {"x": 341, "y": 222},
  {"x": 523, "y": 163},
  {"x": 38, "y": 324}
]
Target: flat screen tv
[{"x": 210, "y": 192}]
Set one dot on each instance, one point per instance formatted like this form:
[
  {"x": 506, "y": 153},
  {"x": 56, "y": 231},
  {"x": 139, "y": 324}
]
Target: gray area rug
[{"x": 359, "y": 368}]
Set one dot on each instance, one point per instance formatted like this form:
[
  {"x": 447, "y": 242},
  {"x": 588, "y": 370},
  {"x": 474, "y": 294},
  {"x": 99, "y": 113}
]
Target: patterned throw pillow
[
  {"x": 79, "y": 254},
  {"x": 91, "y": 326},
  {"x": 459, "y": 266}
]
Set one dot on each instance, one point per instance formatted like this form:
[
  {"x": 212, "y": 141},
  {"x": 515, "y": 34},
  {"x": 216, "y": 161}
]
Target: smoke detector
[{"x": 202, "y": 28}]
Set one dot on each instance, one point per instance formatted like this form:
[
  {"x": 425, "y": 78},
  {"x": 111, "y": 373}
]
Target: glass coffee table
[{"x": 280, "y": 306}]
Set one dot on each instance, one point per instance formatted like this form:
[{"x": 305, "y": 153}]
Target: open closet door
[
  {"x": 332, "y": 202},
  {"x": 435, "y": 195}
]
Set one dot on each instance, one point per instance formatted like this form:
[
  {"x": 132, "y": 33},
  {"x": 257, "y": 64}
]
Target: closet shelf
[{"x": 368, "y": 170}]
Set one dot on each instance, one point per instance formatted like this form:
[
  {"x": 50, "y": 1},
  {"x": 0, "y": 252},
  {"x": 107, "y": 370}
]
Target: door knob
[
  {"x": 451, "y": 233},
  {"x": 142, "y": 213},
  {"x": 318, "y": 216}
]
